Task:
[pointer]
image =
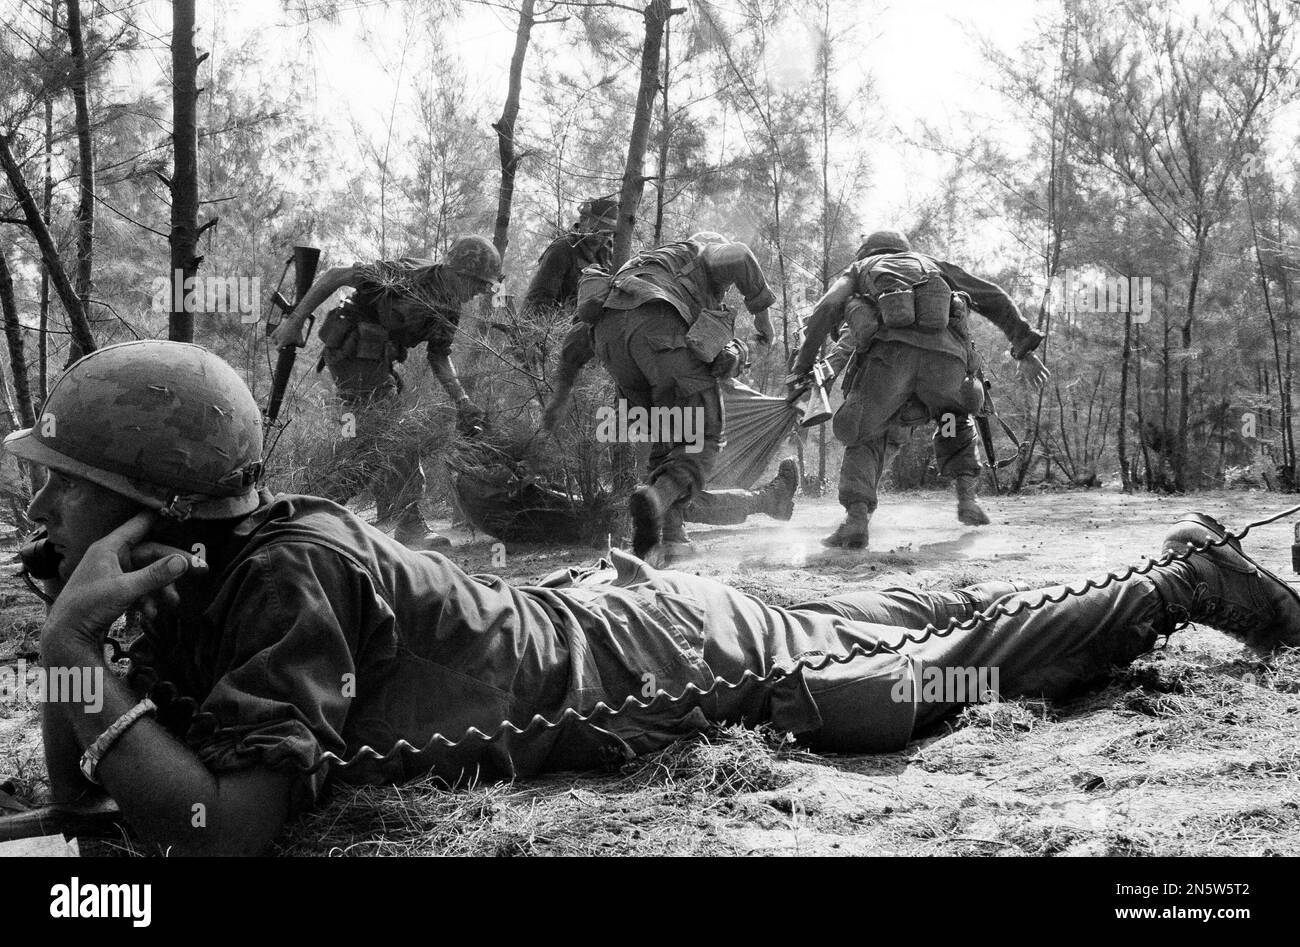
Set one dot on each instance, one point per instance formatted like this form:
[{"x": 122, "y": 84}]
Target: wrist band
[{"x": 95, "y": 752}]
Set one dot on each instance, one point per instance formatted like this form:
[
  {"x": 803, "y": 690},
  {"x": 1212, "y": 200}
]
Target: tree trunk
[
  {"x": 1288, "y": 378},
  {"x": 83, "y": 339},
  {"x": 1125, "y": 474},
  {"x": 665, "y": 130},
  {"x": 85, "y": 216},
  {"x": 184, "y": 236},
  {"x": 47, "y": 199},
  {"x": 656, "y": 17},
  {"x": 505, "y": 129},
  {"x": 1184, "y": 375},
  {"x": 827, "y": 236},
  {"x": 14, "y": 336},
  {"x": 1141, "y": 412}
]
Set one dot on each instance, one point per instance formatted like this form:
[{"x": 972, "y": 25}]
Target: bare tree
[
  {"x": 82, "y": 337},
  {"x": 656, "y": 16},
  {"x": 184, "y": 181},
  {"x": 85, "y": 217}
]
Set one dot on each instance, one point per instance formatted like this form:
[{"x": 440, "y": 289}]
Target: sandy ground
[{"x": 1194, "y": 750}]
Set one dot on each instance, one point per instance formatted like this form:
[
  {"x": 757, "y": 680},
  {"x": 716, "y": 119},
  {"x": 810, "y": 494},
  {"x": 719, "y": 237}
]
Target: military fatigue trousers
[
  {"x": 644, "y": 350},
  {"x": 376, "y": 448},
  {"x": 899, "y": 386},
  {"x": 877, "y": 702}
]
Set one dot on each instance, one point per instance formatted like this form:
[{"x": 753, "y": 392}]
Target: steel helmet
[
  {"x": 602, "y": 212},
  {"x": 475, "y": 256},
  {"x": 884, "y": 241},
  {"x": 706, "y": 237},
  {"x": 167, "y": 424}
]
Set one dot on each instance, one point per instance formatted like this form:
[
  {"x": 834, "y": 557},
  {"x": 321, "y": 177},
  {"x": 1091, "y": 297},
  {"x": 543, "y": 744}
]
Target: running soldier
[
  {"x": 665, "y": 337},
  {"x": 912, "y": 362}
]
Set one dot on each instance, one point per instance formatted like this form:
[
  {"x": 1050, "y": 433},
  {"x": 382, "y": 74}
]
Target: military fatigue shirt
[{"x": 414, "y": 300}]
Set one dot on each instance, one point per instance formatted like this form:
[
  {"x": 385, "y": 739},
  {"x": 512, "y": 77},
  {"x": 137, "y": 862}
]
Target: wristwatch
[{"x": 95, "y": 752}]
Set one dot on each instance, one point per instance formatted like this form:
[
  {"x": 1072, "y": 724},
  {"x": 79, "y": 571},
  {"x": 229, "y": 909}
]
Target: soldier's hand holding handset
[{"x": 115, "y": 571}]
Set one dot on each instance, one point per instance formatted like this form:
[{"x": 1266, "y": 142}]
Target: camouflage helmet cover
[
  {"x": 475, "y": 256},
  {"x": 884, "y": 241},
  {"x": 167, "y": 424},
  {"x": 601, "y": 212}
]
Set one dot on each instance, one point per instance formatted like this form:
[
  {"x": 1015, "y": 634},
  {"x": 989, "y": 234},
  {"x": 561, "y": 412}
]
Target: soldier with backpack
[
  {"x": 912, "y": 362},
  {"x": 660, "y": 328}
]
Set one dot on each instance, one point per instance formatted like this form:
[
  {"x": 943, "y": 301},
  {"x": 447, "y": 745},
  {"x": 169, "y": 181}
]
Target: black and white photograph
[{"x": 643, "y": 428}]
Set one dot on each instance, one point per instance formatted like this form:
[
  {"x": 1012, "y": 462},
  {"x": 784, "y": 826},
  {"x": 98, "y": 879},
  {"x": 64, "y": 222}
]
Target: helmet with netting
[
  {"x": 476, "y": 257},
  {"x": 167, "y": 424}
]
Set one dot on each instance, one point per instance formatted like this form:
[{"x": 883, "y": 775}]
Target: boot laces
[{"x": 1217, "y": 612}]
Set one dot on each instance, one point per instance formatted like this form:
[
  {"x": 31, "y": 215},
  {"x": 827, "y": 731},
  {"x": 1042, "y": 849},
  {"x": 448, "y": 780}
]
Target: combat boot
[
  {"x": 414, "y": 533},
  {"x": 676, "y": 545},
  {"x": 853, "y": 532},
  {"x": 646, "y": 510},
  {"x": 968, "y": 511},
  {"x": 1224, "y": 588},
  {"x": 777, "y": 498}
]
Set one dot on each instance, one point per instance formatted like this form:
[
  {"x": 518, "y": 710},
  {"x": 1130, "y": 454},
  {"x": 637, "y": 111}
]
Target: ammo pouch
[
  {"x": 924, "y": 306},
  {"x": 910, "y": 291},
  {"x": 712, "y": 330},
  {"x": 372, "y": 341},
  {"x": 335, "y": 329},
  {"x": 345, "y": 336}
]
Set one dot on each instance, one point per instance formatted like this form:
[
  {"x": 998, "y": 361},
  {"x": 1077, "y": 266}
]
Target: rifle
[
  {"x": 99, "y": 818},
  {"x": 304, "y": 262},
  {"x": 985, "y": 429},
  {"x": 817, "y": 410}
]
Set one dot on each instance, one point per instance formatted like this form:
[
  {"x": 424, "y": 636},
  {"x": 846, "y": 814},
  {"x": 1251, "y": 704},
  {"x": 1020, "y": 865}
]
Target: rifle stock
[
  {"x": 818, "y": 408},
  {"x": 100, "y": 818}
]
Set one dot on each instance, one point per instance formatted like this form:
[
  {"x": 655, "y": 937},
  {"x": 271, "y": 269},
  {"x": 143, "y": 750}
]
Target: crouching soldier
[
  {"x": 286, "y": 642},
  {"x": 397, "y": 305},
  {"x": 588, "y": 243},
  {"x": 667, "y": 340},
  {"x": 912, "y": 362}
]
